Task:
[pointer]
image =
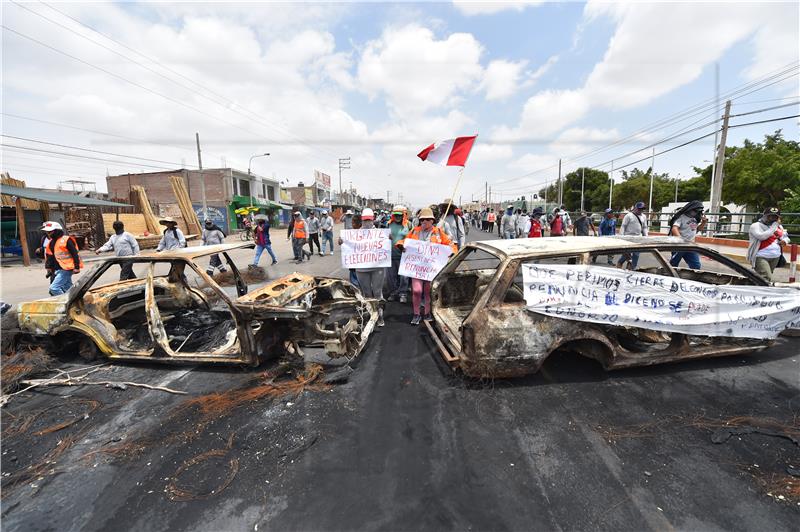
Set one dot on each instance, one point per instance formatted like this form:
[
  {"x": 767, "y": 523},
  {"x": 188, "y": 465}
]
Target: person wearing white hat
[
  {"x": 348, "y": 219},
  {"x": 298, "y": 233},
  {"x": 398, "y": 229},
  {"x": 61, "y": 258},
  {"x": 371, "y": 279},
  {"x": 326, "y": 228},
  {"x": 173, "y": 237}
]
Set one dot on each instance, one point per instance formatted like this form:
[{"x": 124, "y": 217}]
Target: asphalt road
[{"x": 403, "y": 445}]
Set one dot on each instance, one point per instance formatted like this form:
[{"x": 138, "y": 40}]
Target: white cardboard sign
[
  {"x": 423, "y": 260},
  {"x": 366, "y": 248},
  {"x": 636, "y": 299}
]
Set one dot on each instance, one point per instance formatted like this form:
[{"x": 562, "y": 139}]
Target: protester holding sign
[
  {"x": 368, "y": 251},
  {"x": 421, "y": 288}
]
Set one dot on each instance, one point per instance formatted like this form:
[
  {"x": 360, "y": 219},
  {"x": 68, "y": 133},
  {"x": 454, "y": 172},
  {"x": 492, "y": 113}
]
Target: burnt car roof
[{"x": 521, "y": 247}]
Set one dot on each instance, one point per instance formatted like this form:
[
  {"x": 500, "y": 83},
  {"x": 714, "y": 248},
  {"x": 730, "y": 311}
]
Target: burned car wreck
[
  {"x": 483, "y": 327},
  {"x": 176, "y": 313}
]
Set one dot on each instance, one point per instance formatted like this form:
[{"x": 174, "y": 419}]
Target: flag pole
[{"x": 450, "y": 199}]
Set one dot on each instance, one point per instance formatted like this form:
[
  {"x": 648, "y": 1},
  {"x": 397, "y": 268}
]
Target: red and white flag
[{"x": 450, "y": 152}]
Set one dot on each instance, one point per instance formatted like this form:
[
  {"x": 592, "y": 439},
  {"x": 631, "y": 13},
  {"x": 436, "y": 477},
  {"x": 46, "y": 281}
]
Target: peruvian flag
[{"x": 450, "y": 152}]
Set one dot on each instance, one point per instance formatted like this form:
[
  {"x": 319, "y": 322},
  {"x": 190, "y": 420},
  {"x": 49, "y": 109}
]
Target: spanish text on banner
[
  {"x": 423, "y": 260},
  {"x": 366, "y": 248},
  {"x": 636, "y": 299}
]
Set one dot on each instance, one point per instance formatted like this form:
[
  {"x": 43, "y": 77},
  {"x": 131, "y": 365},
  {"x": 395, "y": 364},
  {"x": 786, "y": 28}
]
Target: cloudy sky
[{"x": 587, "y": 83}]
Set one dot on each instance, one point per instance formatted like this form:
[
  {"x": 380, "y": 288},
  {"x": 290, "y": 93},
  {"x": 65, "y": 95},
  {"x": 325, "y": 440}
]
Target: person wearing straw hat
[
  {"x": 173, "y": 237},
  {"x": 420, "y": 289}
]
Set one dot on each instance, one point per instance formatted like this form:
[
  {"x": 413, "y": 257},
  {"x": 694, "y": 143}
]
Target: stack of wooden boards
[{"x": 145, "y": 226}]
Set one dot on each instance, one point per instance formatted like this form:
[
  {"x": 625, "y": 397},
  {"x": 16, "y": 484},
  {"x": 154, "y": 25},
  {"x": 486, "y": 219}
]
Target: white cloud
[
  {"x": 576, "y": 140},
  {"x": 655, "y": 49},
  {"x": 532, "y": 162},
  {"x": 501, "y": 79},
  {"x": 489, "y": 152},
  {"x": 416, "y": 71},
  {"x": 546, "y": 113},
  {"x": 472, "y": 7}
]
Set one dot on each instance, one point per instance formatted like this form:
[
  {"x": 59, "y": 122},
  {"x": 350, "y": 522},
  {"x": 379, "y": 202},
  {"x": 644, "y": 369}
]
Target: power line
[
  {"x": 89, "y": 150},
  {"x": 59, "y": 154},
  {"x": 738, "y": 92},
  {"x": 227, "y": 103},
  {"x": 135, "y": 84}
]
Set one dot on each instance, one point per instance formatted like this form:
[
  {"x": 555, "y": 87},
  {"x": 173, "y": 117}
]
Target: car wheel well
[{"x": 590, "y": 348}]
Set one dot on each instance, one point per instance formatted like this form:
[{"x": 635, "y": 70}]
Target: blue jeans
[
  {"x": 61, "y": 282},
  {"x": 692, "y": 259},
  {"x": 633, "y": 257},
  {"x": 327, "y": 236},
  {"x": 510, "y": 234},
  {"x": 260, "y": 250},
  {"x": 354, "y": 279}
]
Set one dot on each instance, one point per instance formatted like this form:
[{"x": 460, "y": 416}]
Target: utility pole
[
  {"x": 344, "y": 164},
  {"x": 652, "y": 176},
  {"x": 490, "y": 195},
  {"x": 716, "y": 131},
  {"x": 202, "y": 180},
  {"x": 560, "y": 186},
  {"x": 583, "y": 181},
  {"x": 486, "y": 189},
  {"x": 716, "y": 191},
  {"x": 611, "y": 189}
]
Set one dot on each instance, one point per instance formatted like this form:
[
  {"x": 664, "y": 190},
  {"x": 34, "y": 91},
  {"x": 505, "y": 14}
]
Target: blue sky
[{"x": 311, "y": 82}]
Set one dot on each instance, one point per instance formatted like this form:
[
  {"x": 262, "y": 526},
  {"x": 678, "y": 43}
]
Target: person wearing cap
[
  {"x": 421, "y": 290},
  {"x": 508, "y": 224},
  {"x": 297, "y": 233},
  {"x": 686, "y": 223},
  {"x": 371, "y": 279},
  {"x": 263, "y": 241},
  {"x": 583, "y": 225},
  {"x": 608, "y": 227},
  {"x": 312, "y": 225},
  {"x": 61, "y": 258},
  {"x": 566, "y": 217},
  {"x": 398, "y": 229},
  {"x": 536, "y": 230},
  {"x": 212, "y": 236},
  {"x": 173, "y": 237},
  {"x": 124, "y": 244},
  {"x": 348, "y": 219},
  {"x": 326, "y": 228},
  {"x": 767, "y": 237},
  {"x": 633, "y": 224}
]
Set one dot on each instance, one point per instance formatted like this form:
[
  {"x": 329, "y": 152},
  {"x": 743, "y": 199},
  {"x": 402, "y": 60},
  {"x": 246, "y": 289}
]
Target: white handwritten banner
[
  {"x": 635, "y": 299},
  {"x": 366, "y": 248},
  {"x": 423, "y": 260}
]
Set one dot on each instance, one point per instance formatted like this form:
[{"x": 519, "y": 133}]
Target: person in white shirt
[
  {"x": 124, "y": 244},
  {"x": 634, "y": 224},
  {"x": 767, "y": 237}
]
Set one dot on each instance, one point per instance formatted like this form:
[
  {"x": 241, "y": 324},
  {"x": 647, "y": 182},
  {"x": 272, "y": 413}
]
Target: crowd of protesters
[{"x": 444, "y": 223}]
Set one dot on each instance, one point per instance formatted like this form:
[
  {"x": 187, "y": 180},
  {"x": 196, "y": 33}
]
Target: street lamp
[{"x": 250, "y": 162}]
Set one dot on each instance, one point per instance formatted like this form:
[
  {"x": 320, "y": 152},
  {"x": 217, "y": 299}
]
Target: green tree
[
  {"x": 595, "y": 189},
  {"x": 759, "y": 174}
]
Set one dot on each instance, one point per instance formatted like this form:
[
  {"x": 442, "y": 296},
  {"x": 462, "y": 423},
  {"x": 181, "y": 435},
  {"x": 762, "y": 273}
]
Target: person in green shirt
[{"x": 399, "y": 227}]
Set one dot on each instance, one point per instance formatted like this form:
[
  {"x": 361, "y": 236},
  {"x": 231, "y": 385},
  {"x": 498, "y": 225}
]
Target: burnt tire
[
  {"x": 9, "y": 331},
  {"x": 88, "y": 350}
]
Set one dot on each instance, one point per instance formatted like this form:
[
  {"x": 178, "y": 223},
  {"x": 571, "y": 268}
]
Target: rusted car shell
[
  {"x": 295, "y": 310},
  {"x": 498, "y": 340}
]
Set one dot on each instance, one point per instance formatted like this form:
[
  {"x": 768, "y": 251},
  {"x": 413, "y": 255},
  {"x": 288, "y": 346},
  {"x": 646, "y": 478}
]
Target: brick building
[{"x": 226, "y": 189}]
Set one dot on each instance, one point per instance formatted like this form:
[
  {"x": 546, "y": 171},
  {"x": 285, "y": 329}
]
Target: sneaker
[
  {"x": 274, "y": 262},
  {"x": 222, "y": 270},
  {"x": 416, "y": 319},
  {"x": 210, "y": 273},
  {"x": 403, "y": 298},
  {"x": 428, "y": 317},
  {"x": 252, "y": 266},
  {"x": 321, "y": 254},
  {"x": 331, "y": 252},
  {"x": 380, "y": 321}
]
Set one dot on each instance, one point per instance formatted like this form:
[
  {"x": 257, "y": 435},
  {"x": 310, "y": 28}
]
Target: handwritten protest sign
[
  {"x": 366, "y": 248},
  {"x": 423, "y": 260},
  {"x": 635, "y": 299}
]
